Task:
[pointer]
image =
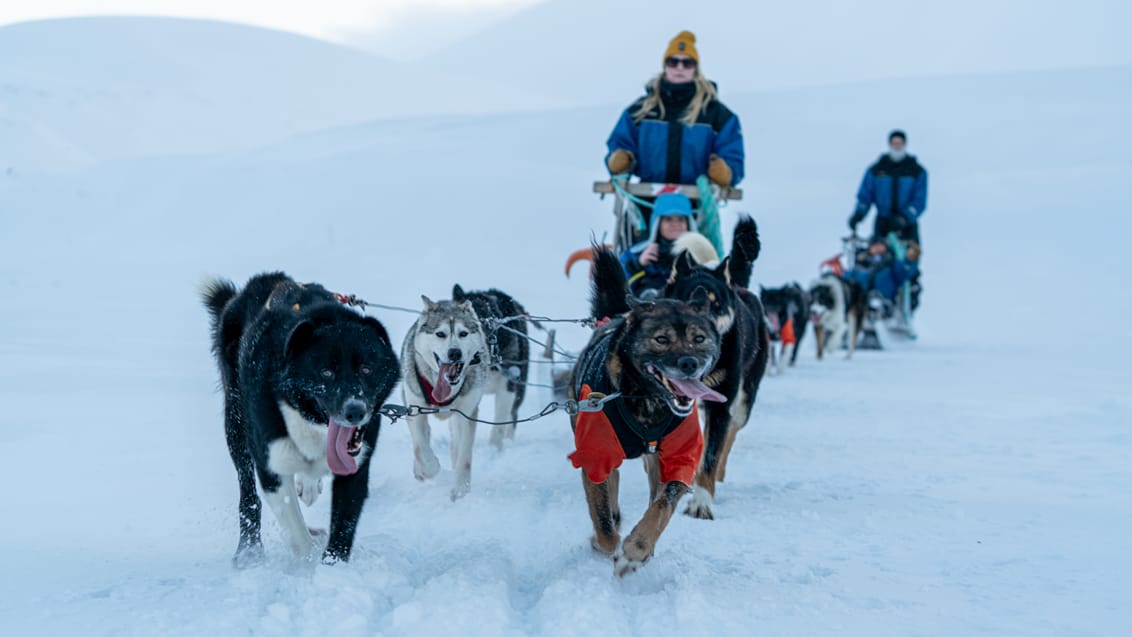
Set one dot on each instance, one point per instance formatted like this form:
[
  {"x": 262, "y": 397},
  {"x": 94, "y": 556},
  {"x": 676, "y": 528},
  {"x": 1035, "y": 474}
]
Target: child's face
[{"x": 672, "y": 226}]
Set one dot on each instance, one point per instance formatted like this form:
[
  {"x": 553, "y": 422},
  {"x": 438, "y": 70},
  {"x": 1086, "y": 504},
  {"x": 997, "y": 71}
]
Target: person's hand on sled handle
[
  {"x": 719, "y": 172},
  {"x": 857, "y": 217},
  {"x": 649, "y": 254},
  {"x": 620, "y": 161}
]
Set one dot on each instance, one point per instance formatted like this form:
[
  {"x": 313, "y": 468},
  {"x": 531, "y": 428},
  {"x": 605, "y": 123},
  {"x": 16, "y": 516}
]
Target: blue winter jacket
[
  {"x": 894, "y": 187},
  {"x": 886, "y": 278},
  {"x": 668, "y": 151}
]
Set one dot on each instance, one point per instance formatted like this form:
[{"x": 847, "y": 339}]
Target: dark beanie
[{"x": 898, "y": 133}]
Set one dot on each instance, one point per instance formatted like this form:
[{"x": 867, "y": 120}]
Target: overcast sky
[
  {"x": 401, "y": 29},
  {"x": 815, "y": 41}
]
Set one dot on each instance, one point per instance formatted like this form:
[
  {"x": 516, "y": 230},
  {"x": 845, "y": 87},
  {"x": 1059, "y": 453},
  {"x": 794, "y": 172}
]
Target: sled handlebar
[{"x": 646, "y": 189}]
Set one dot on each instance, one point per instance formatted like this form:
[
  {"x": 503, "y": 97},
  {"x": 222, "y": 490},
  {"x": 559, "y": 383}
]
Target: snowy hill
[
  {"x": 973, "y": 484},
  {"x": 76, "y": 91},
  {"x": 591, "y": 51}
]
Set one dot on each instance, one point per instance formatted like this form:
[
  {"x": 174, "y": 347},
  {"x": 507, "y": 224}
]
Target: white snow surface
[{"x": 974, "y": 483}]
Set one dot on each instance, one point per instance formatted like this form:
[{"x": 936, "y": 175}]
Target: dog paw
[
  {"x": 605, "y": 546},
  {"x": 248, "y": 556},
  {"x": 307, "y": 548},
  {"x": 700, "y": 506},
  {"x": 425, "y": 465},
  {"x": 461, "y": 489},
  {"x": 307, "y": 488},
  {"x": 497, "y": 435},
  {"x": 622, "y": 566}
]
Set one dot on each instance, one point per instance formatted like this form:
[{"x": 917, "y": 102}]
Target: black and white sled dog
[
  {"x": 838, "y": 307},
  {"x": 453, "y": 355},
  {"x": 787, "y": 313},
  {"x": 745, "y": 349},
  {"x": 303, "y": 378}
]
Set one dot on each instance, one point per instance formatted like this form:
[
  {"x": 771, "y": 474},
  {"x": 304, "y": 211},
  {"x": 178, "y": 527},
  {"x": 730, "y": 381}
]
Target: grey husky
[{"x": 458, "y": 351}]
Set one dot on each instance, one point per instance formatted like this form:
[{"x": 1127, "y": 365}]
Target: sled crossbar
[{"x": 651, "y": 190}]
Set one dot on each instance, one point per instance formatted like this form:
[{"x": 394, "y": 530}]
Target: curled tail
[
  {"x": 609, "y": 288},
  {"x": 745, "y": 247}
]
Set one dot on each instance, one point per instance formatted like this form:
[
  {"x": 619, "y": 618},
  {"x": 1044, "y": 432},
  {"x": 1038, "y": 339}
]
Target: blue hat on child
[{"x": 672, "y": 204}]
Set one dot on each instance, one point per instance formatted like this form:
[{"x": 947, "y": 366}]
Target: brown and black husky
[{"x": 650, "y": 358}]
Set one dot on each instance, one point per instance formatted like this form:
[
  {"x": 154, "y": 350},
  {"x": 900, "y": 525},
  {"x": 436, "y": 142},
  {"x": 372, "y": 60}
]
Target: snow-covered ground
[{"x": 975, "y": 483}]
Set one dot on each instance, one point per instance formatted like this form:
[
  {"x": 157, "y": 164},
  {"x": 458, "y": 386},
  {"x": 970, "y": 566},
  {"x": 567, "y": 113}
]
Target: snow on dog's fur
[{"x": 303, "y": 379}]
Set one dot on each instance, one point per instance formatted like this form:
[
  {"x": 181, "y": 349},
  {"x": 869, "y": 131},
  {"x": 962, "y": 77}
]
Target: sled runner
[{"x": 632, "y": 207}]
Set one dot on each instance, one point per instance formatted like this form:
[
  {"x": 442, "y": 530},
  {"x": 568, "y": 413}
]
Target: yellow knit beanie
[{"x": 684, "y": 43}]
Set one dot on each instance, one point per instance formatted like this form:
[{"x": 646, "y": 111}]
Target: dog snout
[
  {"x": 455, "y": 355},
  {"x": 355, "y": 412},
  {"x": 688, "y": 365}
]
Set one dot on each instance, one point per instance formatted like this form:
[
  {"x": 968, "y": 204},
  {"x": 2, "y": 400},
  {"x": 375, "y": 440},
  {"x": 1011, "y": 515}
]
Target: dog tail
[
  {"x": 745, "y": 247},
  {"x": 699, "y": 246},
  {"x": 216, "y": 293},
  {"x": 609, "y": 288}
]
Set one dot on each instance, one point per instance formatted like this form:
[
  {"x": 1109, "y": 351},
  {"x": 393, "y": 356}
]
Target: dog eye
[
  {"x": 662, "y": 339},
  {"x": 463, "y": 334},
  {"x": 366, "y": 371},
  {"x": 699, "y": 338},
  {"x": 326, "y": 373},
  {"x": 441, "y": 335}
]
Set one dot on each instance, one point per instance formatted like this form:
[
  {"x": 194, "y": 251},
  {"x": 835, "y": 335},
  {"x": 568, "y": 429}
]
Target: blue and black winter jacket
[
  {"x": 668, "y": 151},
  {"x": 894, "y": 187}
]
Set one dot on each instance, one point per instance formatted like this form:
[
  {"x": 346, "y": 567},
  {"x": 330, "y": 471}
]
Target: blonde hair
[{"x": 705, "y": 93}]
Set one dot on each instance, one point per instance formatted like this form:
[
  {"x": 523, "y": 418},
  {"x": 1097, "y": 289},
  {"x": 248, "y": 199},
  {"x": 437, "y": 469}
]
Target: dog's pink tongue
[
  {"x": 772, "y": 318},
  {"x": 337, "y": 441},
  {"x": 696, "y": 389},
  {"x": 442, "y": 390}
]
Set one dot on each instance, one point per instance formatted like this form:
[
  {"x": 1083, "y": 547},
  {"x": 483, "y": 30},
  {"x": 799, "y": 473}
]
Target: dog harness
[{"x": 606, "y": 438}]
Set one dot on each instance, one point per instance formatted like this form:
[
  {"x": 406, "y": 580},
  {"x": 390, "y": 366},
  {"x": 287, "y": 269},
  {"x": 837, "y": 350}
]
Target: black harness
[{"x": 635, "y": 438}]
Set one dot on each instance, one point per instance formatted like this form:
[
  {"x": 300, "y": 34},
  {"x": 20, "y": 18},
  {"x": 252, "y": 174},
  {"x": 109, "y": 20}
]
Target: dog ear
[
  {"x": 428, "y": 304},
  {"x": 457, "y": 292},
  {"x": 700, "y": 301},
  {"x": 377, "y": 327},
  {"x": 467, "y": 307},
  {"x": 299, "y": 338},
  {"x": 636, "y": 303},
  {"x": 723, "y": 271},
  {"x": 685, "y": 263}
]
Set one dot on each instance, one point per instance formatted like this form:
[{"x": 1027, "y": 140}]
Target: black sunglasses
[{"x": 687, "y": 63}]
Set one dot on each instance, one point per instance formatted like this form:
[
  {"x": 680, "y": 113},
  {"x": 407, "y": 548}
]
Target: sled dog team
[{"x": 304, "y": 377}]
